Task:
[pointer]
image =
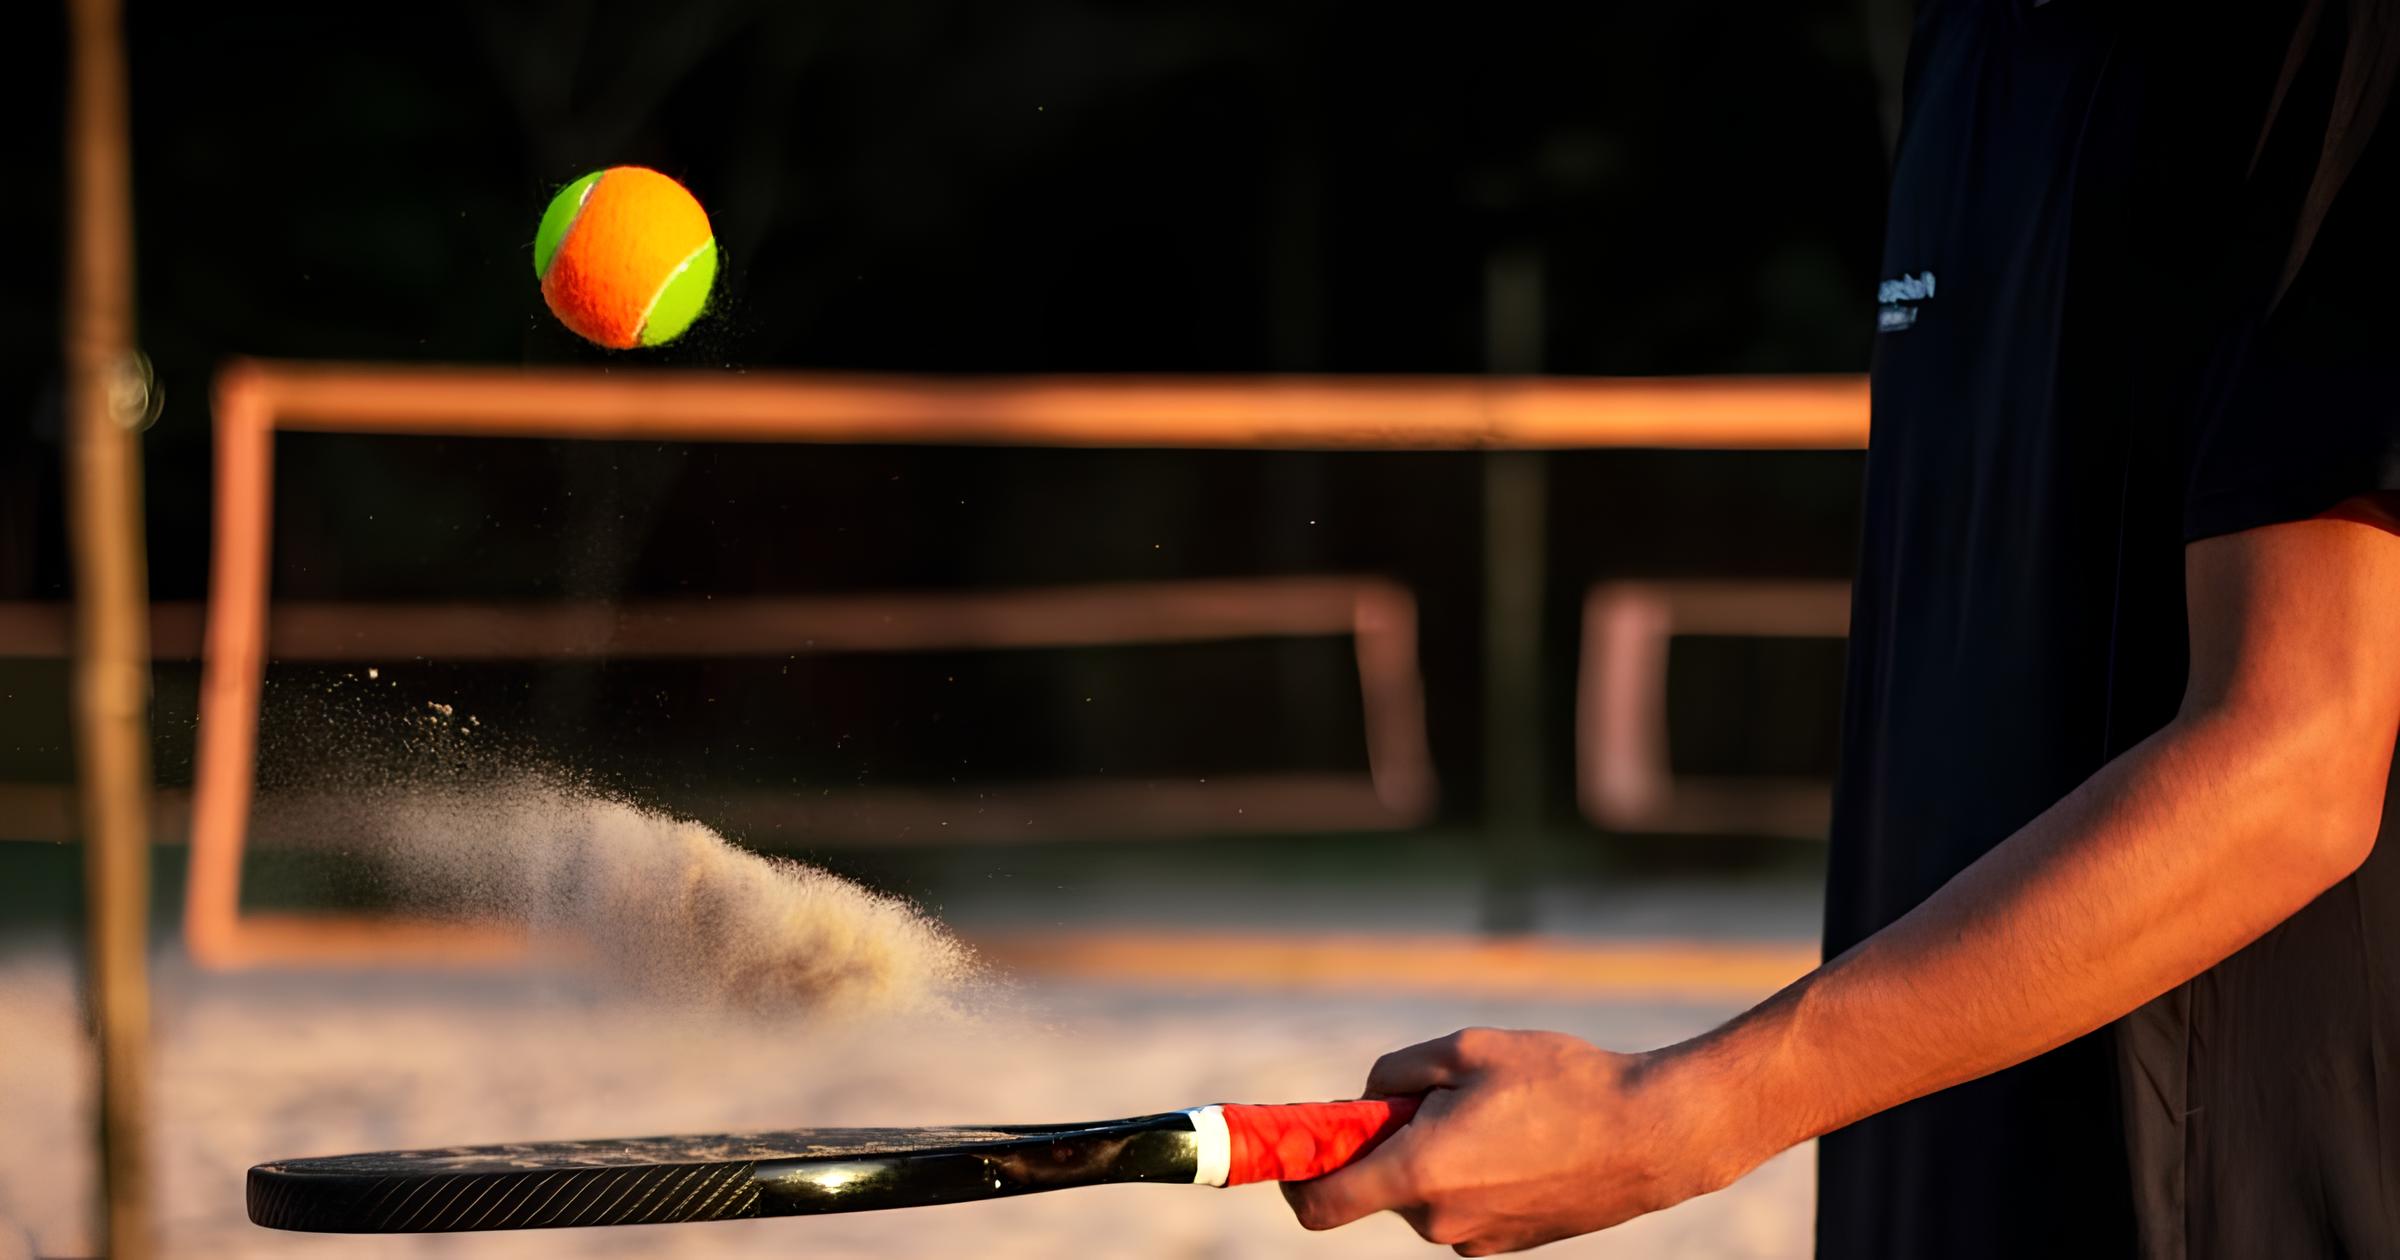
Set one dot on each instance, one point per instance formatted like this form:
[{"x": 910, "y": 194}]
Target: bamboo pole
[{"x": 108, "y": 401}]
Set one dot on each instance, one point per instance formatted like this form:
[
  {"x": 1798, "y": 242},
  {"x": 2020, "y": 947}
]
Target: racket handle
[{"x": 1292, "y": 1141}]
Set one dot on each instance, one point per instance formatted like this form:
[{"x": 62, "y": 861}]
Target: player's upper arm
[
  {"x": 2292, "y": 489},
  {"x": 2295, "y": 636}
]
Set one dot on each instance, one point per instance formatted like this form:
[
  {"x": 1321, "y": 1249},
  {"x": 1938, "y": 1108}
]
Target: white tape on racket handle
[{"x": 1213, "y": 1143}]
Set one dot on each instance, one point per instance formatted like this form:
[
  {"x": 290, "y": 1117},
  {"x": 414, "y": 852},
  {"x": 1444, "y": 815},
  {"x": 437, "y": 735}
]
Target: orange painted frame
[
  {"x": 1622, "y": 776},
  {"x": 255, "y": 399}
]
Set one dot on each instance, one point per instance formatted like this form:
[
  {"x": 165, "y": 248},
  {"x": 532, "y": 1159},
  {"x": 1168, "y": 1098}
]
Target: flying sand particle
[{"x": 457, "y": 828}]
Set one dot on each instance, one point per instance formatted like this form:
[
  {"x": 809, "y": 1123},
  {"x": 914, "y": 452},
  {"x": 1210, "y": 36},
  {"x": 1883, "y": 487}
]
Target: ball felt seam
[
  {"x": 634, "y": 260},
  {"x": 680, "y": 300},
  {"x": 559, "y": 219}
]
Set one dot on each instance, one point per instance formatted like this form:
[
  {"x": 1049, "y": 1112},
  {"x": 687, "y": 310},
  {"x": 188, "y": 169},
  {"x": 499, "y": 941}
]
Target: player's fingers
[
  {"x": 1382, "y": 1181},
  {"x": 1504, "y": 1243},
  {"x": 1439, "y": 1063}
]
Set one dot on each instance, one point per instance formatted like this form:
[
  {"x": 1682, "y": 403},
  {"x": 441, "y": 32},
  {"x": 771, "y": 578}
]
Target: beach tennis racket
[{"x": 802, "y": 1172}]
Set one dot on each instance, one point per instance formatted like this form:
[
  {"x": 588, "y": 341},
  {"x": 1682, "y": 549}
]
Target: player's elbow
[
  {"x": 2304, "y": 782},
  {"x": 2332, "y": 808},
  {"x": 2342, "y": 843}
]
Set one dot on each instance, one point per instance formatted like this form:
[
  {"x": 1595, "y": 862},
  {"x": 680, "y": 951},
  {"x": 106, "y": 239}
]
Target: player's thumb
[
  {"x": 1379, "y": 1182},
  {"x": 1442, "y": 1063}
]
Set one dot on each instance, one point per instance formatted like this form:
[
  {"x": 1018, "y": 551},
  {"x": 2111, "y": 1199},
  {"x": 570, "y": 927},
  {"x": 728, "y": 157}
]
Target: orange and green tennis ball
[{"x": 626, "y": 257}]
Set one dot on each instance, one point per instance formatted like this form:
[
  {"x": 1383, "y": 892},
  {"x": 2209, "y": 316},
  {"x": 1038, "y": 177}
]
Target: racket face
[{"x": 714, "y": 1177}]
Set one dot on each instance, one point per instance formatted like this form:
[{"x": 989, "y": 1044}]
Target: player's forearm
[{"x": 2171, "y": 858}]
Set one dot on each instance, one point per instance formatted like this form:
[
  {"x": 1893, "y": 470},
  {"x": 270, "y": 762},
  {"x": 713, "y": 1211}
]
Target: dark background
[{"x": 1039, "y": 185}]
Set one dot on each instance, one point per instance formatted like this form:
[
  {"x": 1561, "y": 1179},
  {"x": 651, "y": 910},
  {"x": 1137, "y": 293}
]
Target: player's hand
[{"x": 1525, "y": 1138}]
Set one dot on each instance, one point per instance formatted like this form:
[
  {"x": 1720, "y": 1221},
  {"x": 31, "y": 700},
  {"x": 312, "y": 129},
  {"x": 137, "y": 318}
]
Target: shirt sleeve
[{"x": 2300, "y": 407}]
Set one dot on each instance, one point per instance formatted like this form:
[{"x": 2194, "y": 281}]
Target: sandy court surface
[{"x": 259, "y": 1066}]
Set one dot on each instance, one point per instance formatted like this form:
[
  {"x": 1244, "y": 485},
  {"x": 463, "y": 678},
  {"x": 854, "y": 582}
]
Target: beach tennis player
[{"x": 2112, "y": 950}]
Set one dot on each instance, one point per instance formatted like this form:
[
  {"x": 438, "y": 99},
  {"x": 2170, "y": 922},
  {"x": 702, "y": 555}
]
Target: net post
[
  {"x": 1515, "y": 491},
  {"x": 1515, "y": 568}
]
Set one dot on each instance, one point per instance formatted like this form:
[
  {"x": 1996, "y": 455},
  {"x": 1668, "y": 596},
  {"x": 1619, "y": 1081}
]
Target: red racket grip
[{"x": 1297, "y": 1141}]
